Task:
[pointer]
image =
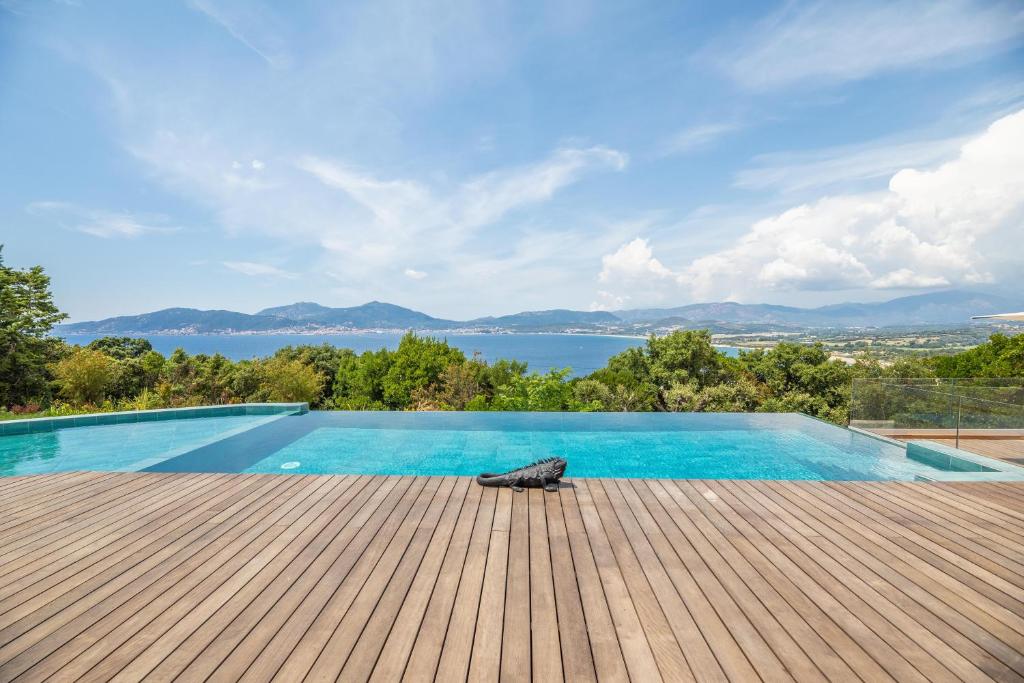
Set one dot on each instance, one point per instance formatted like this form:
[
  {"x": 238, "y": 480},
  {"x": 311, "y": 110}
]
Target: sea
[{"x": 582, "y": 353}]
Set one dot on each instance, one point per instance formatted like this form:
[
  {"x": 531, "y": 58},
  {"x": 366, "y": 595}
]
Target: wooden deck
[{"x": 130, "y": 576}]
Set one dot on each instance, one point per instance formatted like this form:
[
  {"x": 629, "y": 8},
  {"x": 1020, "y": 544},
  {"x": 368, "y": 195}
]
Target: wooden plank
[
  {"x": 485, "y": 662},
  {"x": 545, "y": 644},
  {"x": 964, "y": 525},
  {"x": 574, "y": 641},
  {"x": 990, "y": 575},
  {"x": 101, "y": 510},
  {"x": 515, "y": 634}
]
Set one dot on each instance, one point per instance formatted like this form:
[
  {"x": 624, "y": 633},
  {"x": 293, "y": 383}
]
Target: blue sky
[{"x": 471, "y": 158}]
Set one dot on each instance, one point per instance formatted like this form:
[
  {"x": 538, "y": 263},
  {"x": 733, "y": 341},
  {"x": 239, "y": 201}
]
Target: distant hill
[
  {"x": 726, "y": 311},
  {"x": 178, "y": 321},
  {"x": 303, "y": 310},
  {"x": 938, "y": 308},
  {"x": 546, "y": 319},
  {"x": 374, "y": 315}
]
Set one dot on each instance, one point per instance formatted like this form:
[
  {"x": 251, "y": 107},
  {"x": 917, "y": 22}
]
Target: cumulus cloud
[
  {"x": 414, "y": 274},
  {"x": 930, "y": 228},
  {"x": 632, "y": 261},
  {"x": 853, "y": 40},
  {"x": 100, "y": 223},
  {"x": 258, "y": 269}
]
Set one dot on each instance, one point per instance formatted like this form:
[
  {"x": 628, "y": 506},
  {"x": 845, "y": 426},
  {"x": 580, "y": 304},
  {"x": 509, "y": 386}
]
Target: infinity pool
[{"x": 663, "y": 445}]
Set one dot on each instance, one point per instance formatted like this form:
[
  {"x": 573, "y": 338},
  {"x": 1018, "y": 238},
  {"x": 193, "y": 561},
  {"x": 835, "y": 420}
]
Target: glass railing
[{"x": 939, "y": 408}]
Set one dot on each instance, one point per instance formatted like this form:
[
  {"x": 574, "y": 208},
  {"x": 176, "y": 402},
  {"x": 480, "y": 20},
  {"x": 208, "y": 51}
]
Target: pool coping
[{"x": 51, "y": 424}]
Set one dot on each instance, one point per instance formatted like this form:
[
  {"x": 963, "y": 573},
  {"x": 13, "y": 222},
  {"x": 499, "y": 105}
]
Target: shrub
[
  {"x": 290, "y": 381},
  {"x": 84, "y": 376}
]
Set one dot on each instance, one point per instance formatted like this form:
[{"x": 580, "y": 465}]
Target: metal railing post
[{"x": 959, "y": 410}]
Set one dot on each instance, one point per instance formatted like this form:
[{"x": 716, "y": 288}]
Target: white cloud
[
  {"x": 258, "y": 165},
  {"x": 258, "y": 269},
  {"x": 955, "y": 225},
  {"x": 101, "y": 223},
  {"x": 251, "y": 24},
  {"x": 608, "y": 301},
  {"x": 696, "y": 137},
  {"x": 851, "y": 40},
  {"x": 485, "y": 199},
  {"x": 414, "y": 274},
  {"x": 844, "y": 165},
  {"x": 409, "y": 216},
  {"x": 632, "y": 261}
]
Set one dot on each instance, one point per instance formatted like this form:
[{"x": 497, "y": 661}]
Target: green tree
[
  {"x": 536, "y": 392},
  {"x": 457, "y": 386},
  {"x": 359, "y": 381},
  {"x": 591, "y": 394},
  {"x": 27, "y": 314},
  {"x": 84, "y": 376},
  {"x": 325, "y": 359},
  {"x": 121, "y": 348},
  {"x": 292, "y": 381},
  {"x": 1000, "y": 356},
  {"x": 801, "y": 378},
  {"x": 417, "y": 363},
  {"x": 684, "y": 356}
]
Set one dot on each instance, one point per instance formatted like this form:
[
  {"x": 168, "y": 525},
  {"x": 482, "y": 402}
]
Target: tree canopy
[{"x": 27, "y": 314}]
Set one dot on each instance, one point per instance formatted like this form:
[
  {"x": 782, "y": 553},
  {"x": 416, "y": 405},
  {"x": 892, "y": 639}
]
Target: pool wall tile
[{"x": 42, "y": 426}]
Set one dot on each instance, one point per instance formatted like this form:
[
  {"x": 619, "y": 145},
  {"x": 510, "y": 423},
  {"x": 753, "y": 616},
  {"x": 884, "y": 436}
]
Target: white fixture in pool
[{"x": 290, "y": 465}]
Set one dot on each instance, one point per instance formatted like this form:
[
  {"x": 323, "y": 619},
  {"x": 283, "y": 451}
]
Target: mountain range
[{"x": 953, "y": 307}]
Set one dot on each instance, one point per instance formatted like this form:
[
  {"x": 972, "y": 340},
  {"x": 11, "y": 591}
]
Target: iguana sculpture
[{"x": 541, "y": 474}]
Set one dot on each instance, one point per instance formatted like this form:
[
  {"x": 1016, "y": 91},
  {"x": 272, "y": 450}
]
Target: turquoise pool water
[
  {"x": 676, "y": 445},
  {"x": 132, "y": 446},
  {"x": 707, "y": 446}
]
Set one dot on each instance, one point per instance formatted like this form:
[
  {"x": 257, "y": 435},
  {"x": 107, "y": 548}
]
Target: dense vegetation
[{"x": 681, "y": 371}]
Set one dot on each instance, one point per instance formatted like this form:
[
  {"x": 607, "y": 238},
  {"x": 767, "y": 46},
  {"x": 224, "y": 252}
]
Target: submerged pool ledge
[
  {"x": 959, "y": 462},
  {"x": 52, "y": 424}
]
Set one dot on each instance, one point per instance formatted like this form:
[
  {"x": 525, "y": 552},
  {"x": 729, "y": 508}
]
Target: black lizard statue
[{"x": 541, "y": 474}]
